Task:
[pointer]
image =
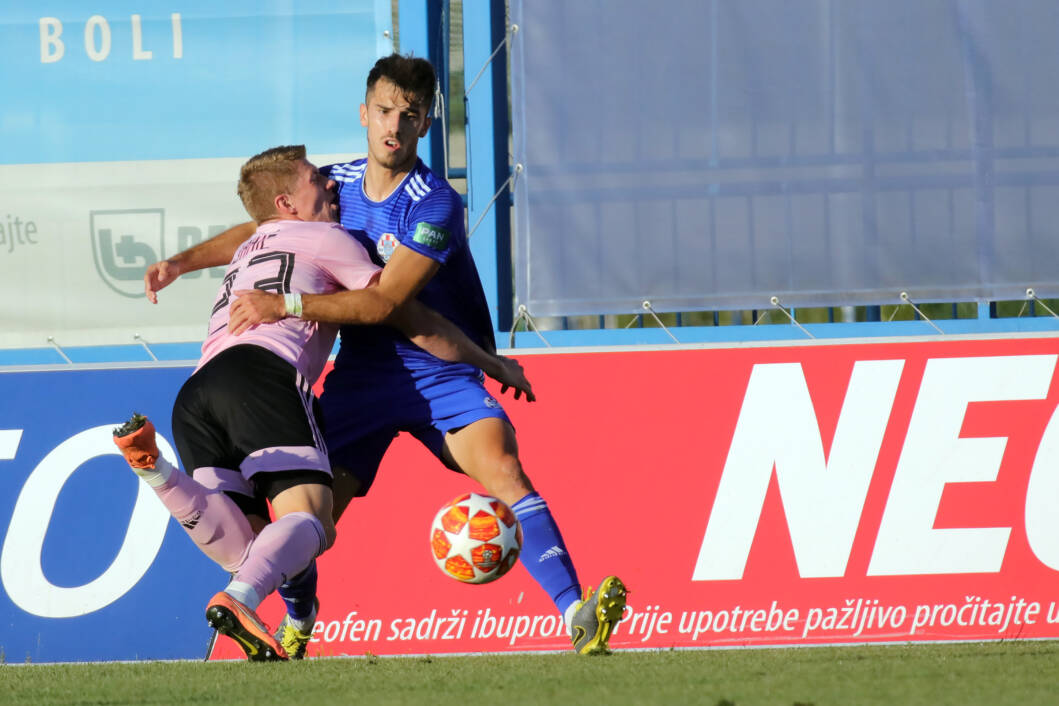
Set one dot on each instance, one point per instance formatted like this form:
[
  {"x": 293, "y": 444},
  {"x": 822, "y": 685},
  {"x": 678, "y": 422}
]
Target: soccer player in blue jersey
[{"x": 381, "y": 384}]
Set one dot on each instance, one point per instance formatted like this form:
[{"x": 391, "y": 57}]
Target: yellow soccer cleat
[
  {"x": 294, "y": 641},
  {"x": 596, "y": 616}
]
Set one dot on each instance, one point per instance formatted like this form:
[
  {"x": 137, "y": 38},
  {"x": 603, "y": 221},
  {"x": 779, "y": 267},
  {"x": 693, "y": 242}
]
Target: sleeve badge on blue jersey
[
  {"x": 385, "y": 246},
  {"x": 431, "y": 236}
]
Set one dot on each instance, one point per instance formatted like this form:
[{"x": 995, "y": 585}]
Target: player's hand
[
  {"x": 158, "y": 276},
  {"x": 511, "y": 375},
  {"x": 252, "y": 307}
]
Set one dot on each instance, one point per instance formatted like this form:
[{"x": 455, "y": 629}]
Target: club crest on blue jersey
[
  {"x": 385, "y": 246},
  {"x": 124, "y": 243},
  {"x": 491, "y": 403}
]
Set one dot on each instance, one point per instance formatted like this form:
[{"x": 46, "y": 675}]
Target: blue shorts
[{"x": 365, "y": 407}]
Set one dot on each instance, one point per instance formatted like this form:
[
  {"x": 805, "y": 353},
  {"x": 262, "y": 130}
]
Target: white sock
[
  {"x": 568, "y": 616},
  {"x": 156, "y": 476},
  {"x": 244, "y": 593},
  {"x": 304, "y": 624}
]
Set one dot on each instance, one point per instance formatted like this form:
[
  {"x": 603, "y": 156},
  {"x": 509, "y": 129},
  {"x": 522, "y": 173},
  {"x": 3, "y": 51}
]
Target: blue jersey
[{"x": 425, "y": 214}]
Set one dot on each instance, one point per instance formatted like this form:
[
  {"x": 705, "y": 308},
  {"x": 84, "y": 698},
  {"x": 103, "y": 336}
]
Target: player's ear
[
  {"x": 283, "y": 204},
  {"x": 426, "y": 127},
  {"x": 363, "y": 115}
]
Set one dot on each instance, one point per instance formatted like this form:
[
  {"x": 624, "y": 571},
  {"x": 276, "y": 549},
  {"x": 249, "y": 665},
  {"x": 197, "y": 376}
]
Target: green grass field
[{"x": 993, "y": 673}]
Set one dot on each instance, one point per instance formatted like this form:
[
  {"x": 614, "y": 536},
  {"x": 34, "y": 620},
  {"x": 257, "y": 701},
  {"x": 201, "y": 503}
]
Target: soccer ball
[{"x": 475, "y": 538}]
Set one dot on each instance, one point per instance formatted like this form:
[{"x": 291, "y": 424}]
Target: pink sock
[
  {"x": 211, "y": 519},
  {"x": 282, "y": 550}
]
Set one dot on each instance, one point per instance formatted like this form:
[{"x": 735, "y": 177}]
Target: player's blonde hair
[{"x": 267, "y": 175}]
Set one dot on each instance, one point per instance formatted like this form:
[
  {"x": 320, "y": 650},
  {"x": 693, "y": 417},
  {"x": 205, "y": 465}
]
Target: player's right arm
[
  {"x": 440, "y": 337},
  {"x": 216, "y": 251},
  {"x": 406, "y": 273},
  {"x": 423, "y": 326}
]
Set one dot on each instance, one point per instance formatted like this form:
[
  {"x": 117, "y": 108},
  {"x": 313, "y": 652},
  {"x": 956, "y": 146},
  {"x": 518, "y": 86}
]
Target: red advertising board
[{"x": 748, "y": 496}]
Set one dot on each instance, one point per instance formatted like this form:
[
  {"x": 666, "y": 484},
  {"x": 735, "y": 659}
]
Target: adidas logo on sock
[
  {"x": 552, "y": 553},
  {"x": 191, "y": 522}
]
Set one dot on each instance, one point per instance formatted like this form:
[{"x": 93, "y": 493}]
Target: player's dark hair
[
  {"x": 267, "y": 175},
  {"x": 413, "y": 75}
]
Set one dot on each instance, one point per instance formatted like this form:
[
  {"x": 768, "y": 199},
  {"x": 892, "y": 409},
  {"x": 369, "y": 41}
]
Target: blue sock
[
  {"x": 544, "y": 554},
  {"x": 300, "y": 592}
]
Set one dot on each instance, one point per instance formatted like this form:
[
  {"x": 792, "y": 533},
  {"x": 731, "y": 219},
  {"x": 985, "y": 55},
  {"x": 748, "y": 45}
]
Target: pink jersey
[{"x": 286, "y": 257}]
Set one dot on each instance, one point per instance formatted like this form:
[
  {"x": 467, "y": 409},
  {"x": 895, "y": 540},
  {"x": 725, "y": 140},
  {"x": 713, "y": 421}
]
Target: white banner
[{"x": 76, "y": 238}]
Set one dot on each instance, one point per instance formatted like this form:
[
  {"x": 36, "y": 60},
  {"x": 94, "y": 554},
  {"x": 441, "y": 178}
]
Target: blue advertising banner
[
  {"x": 148, "y": 80},
  {"x": 92, "y": 567}
]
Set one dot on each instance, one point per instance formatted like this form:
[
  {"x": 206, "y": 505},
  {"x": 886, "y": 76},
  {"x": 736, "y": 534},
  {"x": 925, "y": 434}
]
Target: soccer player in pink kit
[{"x": 245, "y": 422}]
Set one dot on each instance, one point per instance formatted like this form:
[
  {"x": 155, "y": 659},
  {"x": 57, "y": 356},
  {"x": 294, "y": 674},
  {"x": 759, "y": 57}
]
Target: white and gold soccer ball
[{"x": 475, "y": 538}]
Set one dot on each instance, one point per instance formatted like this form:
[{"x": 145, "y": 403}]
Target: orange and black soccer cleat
[
  {"x": 135, "y": 438},
  {"x": 230, "y": 617}
]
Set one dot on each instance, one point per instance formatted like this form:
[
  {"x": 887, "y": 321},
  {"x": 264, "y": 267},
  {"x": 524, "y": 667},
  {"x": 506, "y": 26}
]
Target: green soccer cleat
[
  {"x": 294, "y": 641},
  {"x": 596, "y": 616}
]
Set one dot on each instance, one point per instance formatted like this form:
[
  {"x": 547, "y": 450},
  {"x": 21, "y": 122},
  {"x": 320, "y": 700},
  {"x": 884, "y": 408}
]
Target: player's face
[
  {"x": 394, "y": 126},
  {"x": 311, "y": 197}
]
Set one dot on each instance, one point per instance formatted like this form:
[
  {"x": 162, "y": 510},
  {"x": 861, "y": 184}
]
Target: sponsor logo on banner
[
  {"x": 15, "y": 230},
  {"x": 121, "y": 76},
  {"x": 20, "y": 558},
  {"x": 83, "y": 542},
  {"x": 95, "y": 36},
  {"x": 777, "y": 435},
  {"x": 124, "y": 243}
]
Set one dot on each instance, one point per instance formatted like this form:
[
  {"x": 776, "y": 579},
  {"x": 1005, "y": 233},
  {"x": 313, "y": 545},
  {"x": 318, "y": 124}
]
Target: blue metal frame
[
  {"x": 424, "y": 26},
  {"x": 488, "y": 168},
  {"x": 422, "y": 33}
]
